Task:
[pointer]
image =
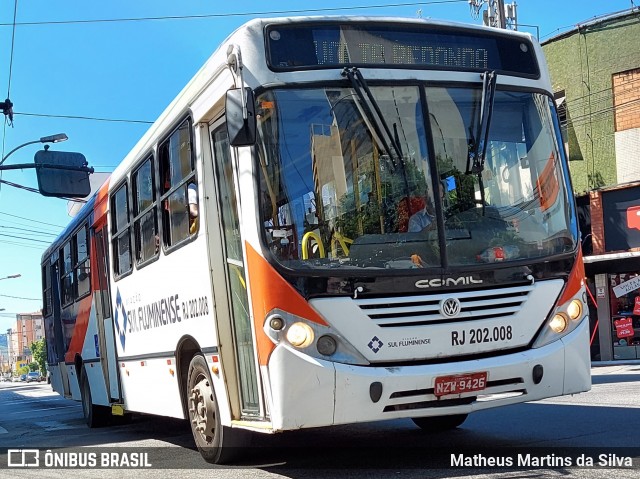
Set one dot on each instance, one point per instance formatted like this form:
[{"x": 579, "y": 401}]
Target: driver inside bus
[
  {"x": 425, "y": 218},
  {"x": 192, "y": 196}
]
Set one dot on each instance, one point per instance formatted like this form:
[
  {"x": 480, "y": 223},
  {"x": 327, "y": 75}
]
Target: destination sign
[{"x": 312, "y": 45}]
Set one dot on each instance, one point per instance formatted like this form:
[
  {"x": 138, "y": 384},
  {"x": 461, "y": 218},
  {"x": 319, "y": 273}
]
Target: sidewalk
[{"x": 601, "y": 368}]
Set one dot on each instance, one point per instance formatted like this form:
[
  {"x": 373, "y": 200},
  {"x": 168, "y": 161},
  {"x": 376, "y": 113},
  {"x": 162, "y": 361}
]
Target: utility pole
[{"x": 497, "y": 14}]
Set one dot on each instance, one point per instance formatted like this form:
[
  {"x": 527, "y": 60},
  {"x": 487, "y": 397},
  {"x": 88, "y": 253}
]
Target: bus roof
[{"x": 250, "y": 36}]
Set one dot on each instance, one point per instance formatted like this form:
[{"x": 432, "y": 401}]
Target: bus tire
[
  {"x": 94, "y": 415},
  {"x": 439, "y": 423},
  {"x": 217, "y": 444}
]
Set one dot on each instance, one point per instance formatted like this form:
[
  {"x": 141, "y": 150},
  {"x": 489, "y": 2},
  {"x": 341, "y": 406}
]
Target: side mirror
[
  {"x": 62, "y": 174},
  {"x": 241, "y": 117}
]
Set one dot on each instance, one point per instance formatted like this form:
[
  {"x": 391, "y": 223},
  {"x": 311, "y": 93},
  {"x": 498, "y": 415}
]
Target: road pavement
[{"x": 591, "y": 423}]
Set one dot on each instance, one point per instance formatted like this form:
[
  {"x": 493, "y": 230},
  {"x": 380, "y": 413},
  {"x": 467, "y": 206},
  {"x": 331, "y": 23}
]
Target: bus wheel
[
  {"x": 94, "y": 415},
  {"x": 217, "y": 444},
  {"x": 439, "y": 423}
]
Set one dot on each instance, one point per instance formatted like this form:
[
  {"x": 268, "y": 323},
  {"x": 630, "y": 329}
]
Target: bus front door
[{"x": 230, "y": 290}]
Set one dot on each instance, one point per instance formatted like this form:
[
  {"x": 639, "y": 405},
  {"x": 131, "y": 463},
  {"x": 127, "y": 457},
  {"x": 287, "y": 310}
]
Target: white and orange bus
[{"x": 385, "y": 228}]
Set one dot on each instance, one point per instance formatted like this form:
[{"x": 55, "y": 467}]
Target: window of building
[
  {"x": 177, "y": 173},
  {"x": 120, "y": 231},
  {"x": 626, "y": 95},
  {"x": 625, "y": 315},
  {"x": 145, "y": 222},
  {"x": 82, "y": 266},
  {"x": 67, "y": 279}
]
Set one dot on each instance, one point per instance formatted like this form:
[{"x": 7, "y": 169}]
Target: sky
[{"x": 101, "y": 72}]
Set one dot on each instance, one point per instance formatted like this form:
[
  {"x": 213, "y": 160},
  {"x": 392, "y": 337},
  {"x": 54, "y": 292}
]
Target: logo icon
[
  {"x": 121, "y": 319},
  {"x": 633, "y": 217},
  {"x": 375, "y": 344},
  {"x": 450, "y": 307},
  {"x": 442, "y": 282},
  {"x": 23, "y": 458}
]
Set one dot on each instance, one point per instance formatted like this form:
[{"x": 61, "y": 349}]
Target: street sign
[{"x": 62, "y": 174}]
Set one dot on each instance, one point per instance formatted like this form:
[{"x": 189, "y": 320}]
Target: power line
[
  {"x": 28, "y": 219},
  {"x": 20, "y": 297},
  {"x": 583, "y": 98},
  {"x": 35, "y": 232},
  {"x": 92, "y": 118},
  {"x": 40, "y": 228},
  {"x": 587, "y": 23},
  {"x": 23, "y": 238},
  {"x": 35, "y": 190},
  {"x": 236, "y": 14},
  {"x": 583, "y": 119},
  {"x": 14, "y": 243},
  {"x": 22, "y": 187}
]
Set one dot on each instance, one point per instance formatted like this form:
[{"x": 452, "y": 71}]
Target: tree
[
  {"x": 396, "y": 183},
  {"x": 39, "y": 352},
  {"x": 33, "y": 367},
  {"x": 22, "y": 370}
]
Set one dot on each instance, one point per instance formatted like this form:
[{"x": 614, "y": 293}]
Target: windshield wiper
[
  {"x": 359, "y": 84},
  {"x": 479, "y": 141}
]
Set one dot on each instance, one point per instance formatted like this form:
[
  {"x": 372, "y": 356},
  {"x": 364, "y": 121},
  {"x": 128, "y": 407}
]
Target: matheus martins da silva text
[{"x": 547, "y": 460}]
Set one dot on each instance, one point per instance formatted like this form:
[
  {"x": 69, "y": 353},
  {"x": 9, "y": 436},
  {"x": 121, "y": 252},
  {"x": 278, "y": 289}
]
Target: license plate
[{"x": 460, "y": 384}]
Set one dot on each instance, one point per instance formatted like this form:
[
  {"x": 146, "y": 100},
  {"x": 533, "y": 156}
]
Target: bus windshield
[{"x": 350, "y": 181}]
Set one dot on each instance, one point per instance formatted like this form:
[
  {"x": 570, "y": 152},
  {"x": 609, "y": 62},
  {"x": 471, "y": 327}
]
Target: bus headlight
[
  {"x": 558, "y": 323},
  {"x": 564, "y": 319},
  {"x": 574, "y": 310},
  {"x": 319, "y": 341},
  {"x": 300, "y": 335}
]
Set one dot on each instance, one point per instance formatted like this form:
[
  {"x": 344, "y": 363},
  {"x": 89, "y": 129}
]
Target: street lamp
[
  {"x": 45, "y": 139},
  {"x": 11, "y": 276}
]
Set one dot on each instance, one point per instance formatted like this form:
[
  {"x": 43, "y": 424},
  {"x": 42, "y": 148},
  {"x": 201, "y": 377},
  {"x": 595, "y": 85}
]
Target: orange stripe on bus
[
  {"x": 101, "y": 203},
  {"x": 269, "y": 290},
  {"x": 575, "y": 280},
  {"x": 79, "y": 329}
]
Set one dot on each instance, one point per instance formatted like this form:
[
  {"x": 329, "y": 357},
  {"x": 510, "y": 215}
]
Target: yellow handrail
[
  {"x": 343, "y": 240},
  {"x": 305, "y": 240}
]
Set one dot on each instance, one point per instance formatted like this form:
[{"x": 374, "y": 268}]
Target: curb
[{"x": 628, "y": 362}]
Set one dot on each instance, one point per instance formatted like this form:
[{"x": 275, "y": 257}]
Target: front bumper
[{"x": 307, "y": 392}]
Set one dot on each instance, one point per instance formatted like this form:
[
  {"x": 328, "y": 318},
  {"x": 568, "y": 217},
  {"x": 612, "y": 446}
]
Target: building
[
  {"x": 29, "y": 327},
  {"x": 595, "y": 72},
  {"x": 4, "y": 353}
]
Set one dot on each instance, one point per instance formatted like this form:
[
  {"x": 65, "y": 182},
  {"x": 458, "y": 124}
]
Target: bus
[{"x": 337, "y": 220}]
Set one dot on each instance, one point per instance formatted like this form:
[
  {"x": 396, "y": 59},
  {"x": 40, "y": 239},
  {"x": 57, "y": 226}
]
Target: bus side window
[
  {"x": 145, "y": 222},
  {"x": 47, "y": 294},
  {"x": 120, "y": 228},
  {"x": 177, "y": 173},
  {"x": 82, "y": 266},
  {"x": 67, "y": 281}
]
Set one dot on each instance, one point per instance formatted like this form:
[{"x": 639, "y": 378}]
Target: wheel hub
[{"x": 202, "y": 409}]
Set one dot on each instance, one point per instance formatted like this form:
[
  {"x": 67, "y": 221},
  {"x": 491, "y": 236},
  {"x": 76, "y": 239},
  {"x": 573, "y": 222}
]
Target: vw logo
[{"x": 450, "y": 307}]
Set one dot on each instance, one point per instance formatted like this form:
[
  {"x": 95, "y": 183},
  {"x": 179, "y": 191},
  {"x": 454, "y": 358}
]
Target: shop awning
[{"x": 612, "y": 263}]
